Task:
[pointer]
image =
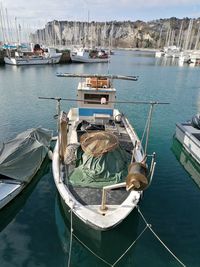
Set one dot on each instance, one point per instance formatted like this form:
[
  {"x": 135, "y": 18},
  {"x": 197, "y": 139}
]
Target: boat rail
[{"x": 105, "y": 189}]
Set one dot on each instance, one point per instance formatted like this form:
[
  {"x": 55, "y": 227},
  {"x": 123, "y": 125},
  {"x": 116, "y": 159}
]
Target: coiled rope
[{"x": 148, "y": 226}]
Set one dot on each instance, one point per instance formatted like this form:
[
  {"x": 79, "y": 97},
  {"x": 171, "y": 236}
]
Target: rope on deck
[{"x": 148, "y": 226}]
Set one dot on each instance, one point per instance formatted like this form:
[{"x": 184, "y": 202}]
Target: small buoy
[{"x": 50, "y": 154}]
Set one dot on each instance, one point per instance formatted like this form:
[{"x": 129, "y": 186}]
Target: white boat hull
[
  {"x": 9, "y": 191},
  {"x": 82, "y": 59},
  {"x": 185, "y": 134},
  {"x": 88, "y": 214},
  {"x": 96, "y": 193},
  {"x": 32, "y": 61},
  {"x": 91, "y": 214}
]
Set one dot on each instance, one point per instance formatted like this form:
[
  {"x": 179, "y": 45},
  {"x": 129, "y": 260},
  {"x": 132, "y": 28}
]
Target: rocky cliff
[{"x": 127, "y": 34}]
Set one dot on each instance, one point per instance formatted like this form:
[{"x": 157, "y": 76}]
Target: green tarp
[{"x": 109, "y": 168}]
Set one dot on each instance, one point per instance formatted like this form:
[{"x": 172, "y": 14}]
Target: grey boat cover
[{"x": 21, "y": 157}]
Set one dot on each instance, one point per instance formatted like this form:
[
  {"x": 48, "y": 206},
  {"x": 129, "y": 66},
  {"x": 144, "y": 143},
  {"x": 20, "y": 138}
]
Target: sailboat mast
[
  {"x": 3, "y": 24},
  {"x": 197, "y": 39},
  {"x": 180, "y": 34},
  {"x": 16, "y": 28}
]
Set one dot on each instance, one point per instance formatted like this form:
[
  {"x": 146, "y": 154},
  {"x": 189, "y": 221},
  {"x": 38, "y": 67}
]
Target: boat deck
[
  {"x": 93, "y": 196},
  {"x": 117, "y": 129}
]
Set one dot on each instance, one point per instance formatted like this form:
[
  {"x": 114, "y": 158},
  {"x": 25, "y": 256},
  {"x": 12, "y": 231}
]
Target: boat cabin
[{"x": 98, "y": 97}]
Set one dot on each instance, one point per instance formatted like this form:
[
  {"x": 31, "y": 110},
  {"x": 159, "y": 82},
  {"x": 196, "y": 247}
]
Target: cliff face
[{"x": 127, "y": 34}]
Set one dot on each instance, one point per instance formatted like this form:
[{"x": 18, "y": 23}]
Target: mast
[
  {"x": 197, "y": 39},
  {"x": 187, "y": 40},
  {"x": 180, "y": 34},
  {"x": 16, "y": 28},
  {"x": 8, "y": 27},
  {"x": 159, "y": 40},
  {"x": 3, "y": 24}
]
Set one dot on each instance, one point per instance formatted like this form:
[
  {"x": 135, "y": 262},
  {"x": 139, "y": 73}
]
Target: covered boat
[
  {"x": 99, "y": 165},
  {"x": 20, "y": 159}
]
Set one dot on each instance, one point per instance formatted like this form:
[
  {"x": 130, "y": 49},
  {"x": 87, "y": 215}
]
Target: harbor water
[{"x": 35, "y": 229}]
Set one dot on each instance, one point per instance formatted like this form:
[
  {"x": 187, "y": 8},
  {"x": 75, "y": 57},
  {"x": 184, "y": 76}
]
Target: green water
[{"x": 35, "y": 228}]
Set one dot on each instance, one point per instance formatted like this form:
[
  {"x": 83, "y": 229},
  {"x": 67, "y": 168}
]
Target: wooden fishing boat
[{"x": 99, "y": 165}]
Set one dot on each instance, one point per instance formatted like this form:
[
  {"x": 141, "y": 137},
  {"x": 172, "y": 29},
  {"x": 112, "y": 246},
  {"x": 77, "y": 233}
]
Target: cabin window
[{"x": 95, "y": 98}]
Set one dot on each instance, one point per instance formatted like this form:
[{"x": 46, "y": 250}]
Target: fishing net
[{"x": 98, "y": 143}]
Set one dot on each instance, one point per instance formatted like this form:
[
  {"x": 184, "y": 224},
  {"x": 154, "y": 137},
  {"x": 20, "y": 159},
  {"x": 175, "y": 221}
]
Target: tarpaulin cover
[
  {"x": 21, "y": 157},
  {"x": 109, "y": 168}
]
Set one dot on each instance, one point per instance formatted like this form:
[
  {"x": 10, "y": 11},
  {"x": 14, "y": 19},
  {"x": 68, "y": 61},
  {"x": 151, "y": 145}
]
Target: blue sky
[{"x": 37, "y": 13}]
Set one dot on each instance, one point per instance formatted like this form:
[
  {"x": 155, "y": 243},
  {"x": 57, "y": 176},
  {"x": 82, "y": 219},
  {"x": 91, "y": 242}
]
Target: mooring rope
[
  {"x": 133, "y": 243},
  {"x": 96, "y": 255},
  {"x": 148, "y": 226},
  {"x": 106, "y": 262},
  {"x": 165, "y": 246},
  {"x": 71, "y": 238}
]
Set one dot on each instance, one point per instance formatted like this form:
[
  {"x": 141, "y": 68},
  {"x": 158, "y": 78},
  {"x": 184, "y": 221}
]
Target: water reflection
[
  {"x": 8, "y": 213},
  {"x": 172, "y": 61},
  {"x": 108, "y": 245},
  {"x": 185, "y": 159}
]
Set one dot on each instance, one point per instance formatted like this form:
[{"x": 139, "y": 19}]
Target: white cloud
[{"x": 42, "y": 11}]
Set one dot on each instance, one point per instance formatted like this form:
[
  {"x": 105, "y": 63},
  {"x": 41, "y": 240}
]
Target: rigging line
[
  {"x": 106, "y": 262},
  {"x": 145, "y": 128},
  {"x": 133, "y": 243},
  {"x": 125, "y": 252},
  {"x": 71, "y": 238},
  {"x": 150, "y": 228}
]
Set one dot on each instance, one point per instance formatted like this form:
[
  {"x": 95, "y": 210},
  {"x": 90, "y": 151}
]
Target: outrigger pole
[
  {"x": 99, "y": 102},
  {"x": 148, "y": 125},
  {"x": 110, "y": 76}
]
